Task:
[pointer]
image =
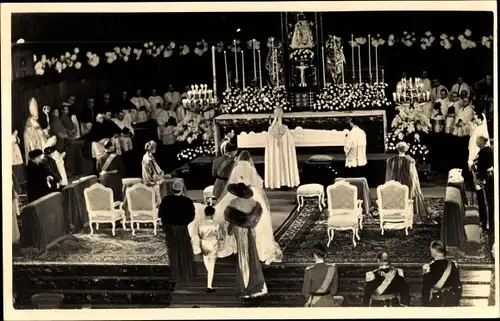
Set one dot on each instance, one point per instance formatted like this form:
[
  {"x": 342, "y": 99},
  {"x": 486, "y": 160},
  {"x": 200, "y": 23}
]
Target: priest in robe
[
  {"x": 281, "y": 167},
  {"x": 461, "y": 86},
  {"x": 40, "y": 181},
  {"x": 402, "y": 168},
  {"x": 35, "y": 137},
  {"x": 154, "y": 100},
  {"x": 139, "y": 101},
  {"x": 173, "y": 99},
  {"x": 427, "y": 85},
  {"x": 111, "y": 170},
  {"x": 436, "y": 89},
  {"x": 355, "y": 150}
]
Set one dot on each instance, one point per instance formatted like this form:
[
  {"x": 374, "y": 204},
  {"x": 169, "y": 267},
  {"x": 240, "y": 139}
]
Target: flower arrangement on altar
[
  {"x": 302, "y": 55},
  {"x": 409, "y": 120},
  {"x": 408, "y": 90},
  {"x": 416, "y": 149},
  {"x": 336, "y": 97},
  {"x": 252, "y": 100},
  {"x": 190, "y": 153},
  {"x": 194, "y": 129}
]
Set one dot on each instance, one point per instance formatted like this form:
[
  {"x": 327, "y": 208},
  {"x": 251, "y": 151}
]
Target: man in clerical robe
[
  {"x": 426, "y": 82},
  {"x": 222, "y": 168},
  {"x": 35, "y": 137},
  {"x": 39, "y": 181},
  {"x": 461, "y": 86},
  {"x": 173, "y": 98},
  {"x": 355, "y": 149},
  {"x": 88, "y": 116},
  {"x": 402, "y": 168},
  {"x": 154, "y": 100},
  {"x": 480, "y": 129},
  {"x": 111, "y": 170},
  {"x": 436, "y": 89},
  {"x": 140, "y": 101}
]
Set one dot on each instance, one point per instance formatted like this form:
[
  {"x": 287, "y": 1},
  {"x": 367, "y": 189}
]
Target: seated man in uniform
[
  {"x": 386, "y": 286},
  {"x": 441, "y": 285},
  {"x": 321, "y": 280}
]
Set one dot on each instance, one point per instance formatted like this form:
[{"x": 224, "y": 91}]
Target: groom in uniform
[{"x": 222, "y": 167}]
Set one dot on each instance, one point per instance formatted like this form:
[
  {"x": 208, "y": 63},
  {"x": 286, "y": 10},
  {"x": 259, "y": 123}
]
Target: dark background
[{"x": 54, "y": 34}]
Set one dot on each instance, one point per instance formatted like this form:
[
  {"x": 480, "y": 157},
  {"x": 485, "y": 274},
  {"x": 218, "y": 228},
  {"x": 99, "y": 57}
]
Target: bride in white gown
[{"x": 244, "y": 172}]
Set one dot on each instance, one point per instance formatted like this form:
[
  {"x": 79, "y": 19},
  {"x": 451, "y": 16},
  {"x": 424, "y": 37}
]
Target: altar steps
[{"x": 101, "y": 286}]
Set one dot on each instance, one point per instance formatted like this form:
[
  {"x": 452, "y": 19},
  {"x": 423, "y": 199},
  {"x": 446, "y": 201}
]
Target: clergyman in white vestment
[
  {"x": 280, "y": 157},
  {"x": 355, "y": 149}
]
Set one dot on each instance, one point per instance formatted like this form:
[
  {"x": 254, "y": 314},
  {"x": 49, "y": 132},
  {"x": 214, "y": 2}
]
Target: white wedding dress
[{"x": 267, "y": 248}]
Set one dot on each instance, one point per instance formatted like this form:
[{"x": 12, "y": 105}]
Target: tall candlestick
[
  {"x": 260, "y": 70},
  {"x": 353, "y": 64},
  {"x": 343, "y": 74},
  {"x": 213, "y": 71},
  {"x": 273, "y": 67},
  {"x": 243, "y": 68},
  {"x": 254, "y": 61},
  {"x": 376, "y": 64},
  {"x": 236, "y": 80},
  {"x": 323, "y": 63},
  {"x": 277, "y": 70},
  {"x": 382, "y": 75},
  {"x": 370, "y": 57},
  {"x": 225, "y": 67},
  {"x": 359, "y": 62}
]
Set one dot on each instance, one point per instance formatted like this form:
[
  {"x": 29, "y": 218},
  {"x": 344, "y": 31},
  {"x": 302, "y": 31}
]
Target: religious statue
[
  {"x": 34, "y": 136},
  {"x": 302, "y": 67},
  {"x": 335, "y": 59},
  {"x": 302, "y": 34}
]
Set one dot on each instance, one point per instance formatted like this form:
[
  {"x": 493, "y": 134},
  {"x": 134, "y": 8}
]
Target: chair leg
[
  {"x": 382, "y": 229},
  {"x": 132, "y": 226},
  {"x": 354, "y": 237},
  {"x": 302, "y": 201},
  {"x": 97, "y": 226},
  {"x": 124, "y": 221},
  {"x": 91, "y": 229},
  {"x": 357, "y": 235},
  {"x": 330, "y": 234},
  {"x": 113, "y": 227},
  {"x": 406, "y": 231},
  {"x": 323, "y": 199},
  {"x": 154, "y": 228},
  {"x": 319, "y": 203},
  {"x": 298, "y": 202},
  {"x": 138, "y": 226}
]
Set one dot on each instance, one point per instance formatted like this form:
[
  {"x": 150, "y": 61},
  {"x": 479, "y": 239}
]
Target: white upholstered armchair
[
  {"x": 141, "y": 205},
  {"x": 102, "y": 208},
  {"x": 394, "y": 206},
  {"x": 344, "y": 210}
]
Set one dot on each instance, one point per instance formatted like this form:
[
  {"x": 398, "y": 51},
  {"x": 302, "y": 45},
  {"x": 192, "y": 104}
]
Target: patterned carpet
[
  {"x": 307, "y": 226},
  {"x": 296, "y": 235}
]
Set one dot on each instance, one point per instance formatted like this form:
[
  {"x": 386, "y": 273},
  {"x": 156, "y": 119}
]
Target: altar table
[
  {"x": 310, "y": 129},
  {"x": 43, "y": 223}
]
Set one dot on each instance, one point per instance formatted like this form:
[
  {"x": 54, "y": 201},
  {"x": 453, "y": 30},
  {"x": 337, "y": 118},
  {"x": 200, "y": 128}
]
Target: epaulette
[
  {"x": 370, "y": 276},
  {"x": 426, "y": 268},
  {"x": 401, "y": 273}
]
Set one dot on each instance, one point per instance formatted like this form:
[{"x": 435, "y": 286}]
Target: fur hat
[
  {"x": 35, "y": 153},
  {"x": 240, "y": 190}
]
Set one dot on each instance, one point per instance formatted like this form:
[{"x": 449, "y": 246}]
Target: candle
[
  {"x": 277, "y": 70},
  {"x": 382, "y": 75},
  {"x": 353, "y": 65},
  {"x": 273, "y": 57},
  {"x": 370, "y": 57},
  {"x": 243, "y": 68},
  {"x": 323, "y": 63},
  {"x": 236, "y": 63},
  {"x": 394, "y": 96},
  {"x": 254, "y": 61},
  {"x": 359, "y": 62},
  {"x": 343, "y": 74},
  {"x": 225, "y": 67},
  {"x": 213, "y": 70},
  {"x": 376, "y": 64},
  {"x": 260, "y": 70}
]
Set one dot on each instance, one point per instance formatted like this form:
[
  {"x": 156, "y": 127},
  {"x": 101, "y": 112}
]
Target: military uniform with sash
[
  {"x": 441, "y": 285},
  {"x": 110, "y": 167},
  {"x": 386, "y": 287},
  {"x": 321, "y": 283}
]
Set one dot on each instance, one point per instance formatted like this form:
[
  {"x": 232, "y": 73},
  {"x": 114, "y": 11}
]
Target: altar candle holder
[
  {"x": 260, "y": 70},
  {"x": 243, "y": 68},
  {"x": 353, "y": 64},
  {"x": 236, "y": 79},
  {"x": 225, "y": 67},
  {"x": 376, "y": 63},
  {"x": 370, "y": 57},
  {"x": 359, "y": 63},
  {"x": 254, "y": 60}
]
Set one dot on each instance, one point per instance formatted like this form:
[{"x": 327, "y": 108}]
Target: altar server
[
  {"x": 355, "y": 149},
  {"x": 441, "y": 285},
  {"x": 386, "y": 286},
  {"x": 321, "y": 280}
]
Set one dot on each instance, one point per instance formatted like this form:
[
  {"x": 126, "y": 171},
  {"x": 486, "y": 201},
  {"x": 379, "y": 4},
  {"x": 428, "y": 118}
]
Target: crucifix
[{"x": 302, "y": 67}]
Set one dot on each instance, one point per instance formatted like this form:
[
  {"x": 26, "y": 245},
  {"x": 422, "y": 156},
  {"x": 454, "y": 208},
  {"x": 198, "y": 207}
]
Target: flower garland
[
  {"x": 194, "y": 128},
  {"x": 254, "y": 100},
  {"x": 351, "y": 96},
  {"x": 67, "y": 60},
  {"x": 302, "y": 55}
]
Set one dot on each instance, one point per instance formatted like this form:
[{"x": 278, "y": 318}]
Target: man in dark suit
[
  {"x": 386, "y": 286},
  {"x": 39, "y": 181},
  {"x": 441, "y": 285},
  {"x": 51, "y": 167},
  {"x": 176, "y": 212}
]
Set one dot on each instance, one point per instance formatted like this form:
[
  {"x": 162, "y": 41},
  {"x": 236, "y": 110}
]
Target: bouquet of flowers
[
  {"x": 417, "y": 149},
  {"x": 205, "y": 149},
  {"x": 302, "y": 55},
  {"x": 409, "y": 121},
  {"x": 254, "y": 100},
  {"x": 351, "y": 96},
  {"x": 194, "y": 129}
]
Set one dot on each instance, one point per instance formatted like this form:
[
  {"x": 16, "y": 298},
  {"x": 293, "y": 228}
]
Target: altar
[{"x": 320, "y": 130}]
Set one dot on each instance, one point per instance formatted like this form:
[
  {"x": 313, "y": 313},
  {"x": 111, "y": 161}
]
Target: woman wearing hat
[
  {"x": 243, "y": 214},
  {"x": 402, "y": 168},
  {"x": 176, "y": 212},
  {"x": 152, "y": 174}
]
